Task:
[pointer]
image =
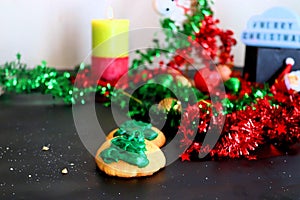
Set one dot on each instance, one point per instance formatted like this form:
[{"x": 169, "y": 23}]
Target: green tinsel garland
[{"x": 15, "y": 77}]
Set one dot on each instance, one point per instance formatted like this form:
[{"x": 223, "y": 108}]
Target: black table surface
[{"x": 28, "y": 122}]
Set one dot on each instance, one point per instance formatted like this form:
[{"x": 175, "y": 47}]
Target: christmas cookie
[
  {"x": 150, "y": 132},
  {"x": 129, "y": 155}
]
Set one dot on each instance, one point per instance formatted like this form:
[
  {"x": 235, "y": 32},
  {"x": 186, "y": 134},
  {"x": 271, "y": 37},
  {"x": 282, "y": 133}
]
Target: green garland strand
[{"x": 15, "y": 77}]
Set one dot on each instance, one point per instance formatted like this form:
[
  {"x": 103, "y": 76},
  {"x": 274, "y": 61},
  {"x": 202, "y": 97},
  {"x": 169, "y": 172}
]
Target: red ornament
[{"x": 207, "y": 80}]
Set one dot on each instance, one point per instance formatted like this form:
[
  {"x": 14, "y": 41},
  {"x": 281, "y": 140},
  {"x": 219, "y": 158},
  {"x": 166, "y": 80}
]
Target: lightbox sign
[{"x": 278, "y": 27}]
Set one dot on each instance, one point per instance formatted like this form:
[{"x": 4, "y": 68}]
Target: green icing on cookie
[
  {"x": 132, "y": 126},
  {"x": 114, "y": 154},
  {"x": 127, "y": 147}
]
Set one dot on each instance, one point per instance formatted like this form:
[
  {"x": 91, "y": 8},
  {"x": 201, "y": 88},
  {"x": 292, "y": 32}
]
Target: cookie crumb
[
  {"x": 64, "y": 171},
  {"x": 45, "y": 148}
]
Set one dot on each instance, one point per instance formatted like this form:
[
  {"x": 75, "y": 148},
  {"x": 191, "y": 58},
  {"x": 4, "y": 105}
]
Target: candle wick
[{"x": 110, "y": 13}]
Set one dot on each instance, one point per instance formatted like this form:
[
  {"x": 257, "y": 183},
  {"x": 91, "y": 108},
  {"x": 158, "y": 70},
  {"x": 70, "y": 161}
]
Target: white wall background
[{"x": 59, "y": 31}]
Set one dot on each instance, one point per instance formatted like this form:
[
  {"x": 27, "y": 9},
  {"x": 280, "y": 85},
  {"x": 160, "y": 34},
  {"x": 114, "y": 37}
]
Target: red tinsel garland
[
  {"x": 246, "y": 131},
  {"x": 210, "y": 42}
]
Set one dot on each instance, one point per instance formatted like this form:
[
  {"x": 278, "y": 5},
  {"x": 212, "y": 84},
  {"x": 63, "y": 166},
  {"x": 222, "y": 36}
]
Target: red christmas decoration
[{"x": 206, "y": 80}]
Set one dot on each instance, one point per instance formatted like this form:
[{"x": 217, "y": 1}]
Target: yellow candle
[
  {"x": 110, "y": 48},
  {"x": 110, "y": 38}
]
